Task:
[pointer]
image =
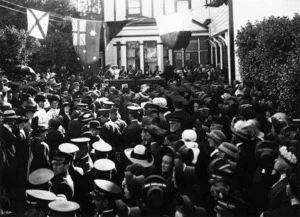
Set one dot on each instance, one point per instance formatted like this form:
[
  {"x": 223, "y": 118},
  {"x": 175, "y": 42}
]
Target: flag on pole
[
  {"x": 175, "y": 29},
  {"x": 86, "y": 42},
  {"x": 37, "y": 23}
]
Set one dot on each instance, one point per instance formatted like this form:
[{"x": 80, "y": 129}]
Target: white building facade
[{"x": 213, "y": 33}]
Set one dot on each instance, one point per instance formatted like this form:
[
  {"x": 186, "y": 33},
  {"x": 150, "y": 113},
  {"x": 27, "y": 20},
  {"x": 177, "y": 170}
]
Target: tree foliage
[
  {"x": 16, "y": 47},
  {"x": 270, "y": 51},
  {"x": 56, "y": 50}
]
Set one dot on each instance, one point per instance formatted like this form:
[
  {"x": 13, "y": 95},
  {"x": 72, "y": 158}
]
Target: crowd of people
[{"x": 75, "y": 146}]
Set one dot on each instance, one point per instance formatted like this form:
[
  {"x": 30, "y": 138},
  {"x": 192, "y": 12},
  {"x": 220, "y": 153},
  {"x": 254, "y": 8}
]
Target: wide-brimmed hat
[
  {"x": 153, "y": 191},
  {"x": 134, "y": 183},
  {"x": 140, "y": 154},
  {"x": 9, "y": 114},
  {"x": 160, "y": 101},
  {"x": 31, "y": 108},
  {"x": 243, "y": 130},
  {"x": 183, "y": 171},
  {"x": 85, "y": 117},
  {"x": 189, "y": 208},
  {"x": 40, "y": 129},
  {"x": 40, "y": 176},
  {"x": 156, "y": 132},
  {"x": 232, "y": 205},
  {"x": 230, "y": 150},
  {"x": 217, "y": 136},
  {"x": 40, "y": 97},
  {"x": 123, "y": 210},
  {"x": 22, "y": 119},
  {"x": 266, "y": 148}
]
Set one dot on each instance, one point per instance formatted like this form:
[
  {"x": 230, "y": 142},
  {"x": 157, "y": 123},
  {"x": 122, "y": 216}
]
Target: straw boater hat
[
  {"x": 141, "y": 155},
  {"x": 9, "y": 114}
]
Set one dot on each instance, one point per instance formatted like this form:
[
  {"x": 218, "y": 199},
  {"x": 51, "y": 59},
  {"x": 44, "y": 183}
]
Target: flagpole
[{"x": 104, "y": 50}]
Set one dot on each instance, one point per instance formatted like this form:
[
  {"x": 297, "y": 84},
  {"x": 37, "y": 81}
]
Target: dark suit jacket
[
  {"x": 85, "y": 163},
  {"x": 63, "y": 184},
  {"x": 132, "y": 134},
  {"x": 278, "y": 194},
  {"x": 40, "y": 153}
]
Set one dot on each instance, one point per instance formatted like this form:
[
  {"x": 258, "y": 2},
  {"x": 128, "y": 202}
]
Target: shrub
[{"x": 270, "y": 51}]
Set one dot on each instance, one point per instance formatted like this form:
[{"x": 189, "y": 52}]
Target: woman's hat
[
  {"x": 31, "y": 108},
  {"x": 288, "y": 154},
  {"x": 40, "y": 129},
  {"x": 123, "y": 210},
  {"x": 156, "y": 132},
  {"x": 140, "y": 154},
  {"x": 40, "y": 176},
  {"x": 40, "y": 97},
  {"x": 22, "y": 119},
  {"x": 153, "y": 191},
  {"x": 189, "y": 135},
  {"x": 182, "y": 171},
  {"x": 189, "y": 208},
  {"x": 134, "y": 183},
  {"x": 217, "y": 136},
  {"x": 230, "y": 150}
]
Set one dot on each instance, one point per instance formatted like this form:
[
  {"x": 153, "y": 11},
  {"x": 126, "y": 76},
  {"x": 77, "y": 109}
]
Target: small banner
[
  {"x": 37, "y": 23},
  {"x": 175, "y": 29}
]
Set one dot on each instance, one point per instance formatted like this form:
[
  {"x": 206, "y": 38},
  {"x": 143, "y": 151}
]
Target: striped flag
[
  {"x": 37, "y": 23},
  {"x": 175, "y": 29},
  {"x": 86, "y": 42}
]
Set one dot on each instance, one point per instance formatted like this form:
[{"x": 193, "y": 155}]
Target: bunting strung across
[
  {"x": 86, "y": 41},
  {"x": 37, "y": 23},
  {"x": 175, "y": 29},
  {"x": 112, "y": 28}
]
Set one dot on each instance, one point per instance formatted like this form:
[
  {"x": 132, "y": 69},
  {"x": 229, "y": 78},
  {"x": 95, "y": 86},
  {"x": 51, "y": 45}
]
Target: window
[
  {"x": 133, "y": 54},
  {"x": 204, "y": 52},
  {"x": 134, "y": 8},
  {"x": 150, "y": 54},
  {"x": 119, "y": 54},
  {"x": 166, "y": 54},
  {"x": 182, "y": 5}
]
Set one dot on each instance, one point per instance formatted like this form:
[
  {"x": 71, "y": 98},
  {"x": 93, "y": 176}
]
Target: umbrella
[{"x": 22, "y": 69}]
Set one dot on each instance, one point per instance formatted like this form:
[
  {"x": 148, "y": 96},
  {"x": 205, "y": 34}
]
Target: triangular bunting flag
[
  {"x": 175, "y": 30},
  {"x": 86, "y": 41},
  {"x": 112, "y": 28},
  {"x": 37, "y": 23}
]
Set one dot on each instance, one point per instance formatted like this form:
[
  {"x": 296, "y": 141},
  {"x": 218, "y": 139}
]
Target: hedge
[{"x": 269, "y": 51}]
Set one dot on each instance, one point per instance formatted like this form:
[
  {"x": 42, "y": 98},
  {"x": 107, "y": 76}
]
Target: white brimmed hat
[
  {"x": 140, "y": 155},
  {"x": 40, "y": 176}
]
